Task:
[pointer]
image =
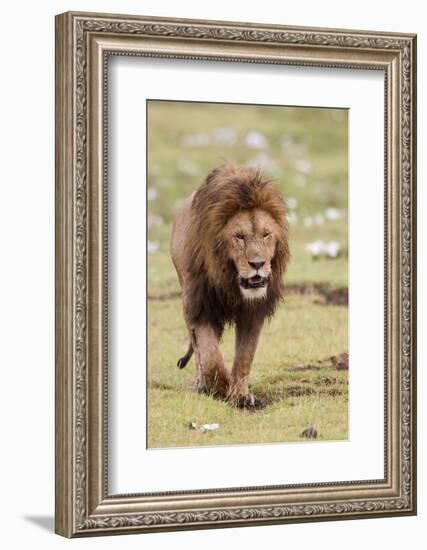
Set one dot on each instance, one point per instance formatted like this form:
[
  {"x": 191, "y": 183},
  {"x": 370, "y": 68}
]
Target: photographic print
[{"x": 247, "y": 285}]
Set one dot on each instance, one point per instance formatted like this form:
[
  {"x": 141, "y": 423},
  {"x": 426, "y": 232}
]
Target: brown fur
[
  {"x": 215, "y": 296},
  {"x": 209, "y": 276}
]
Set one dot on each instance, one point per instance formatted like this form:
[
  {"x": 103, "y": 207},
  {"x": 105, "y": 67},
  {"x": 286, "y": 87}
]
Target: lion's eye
[
  {"x": 240, "y": 236},
  {"x": 266, "y": 235}
]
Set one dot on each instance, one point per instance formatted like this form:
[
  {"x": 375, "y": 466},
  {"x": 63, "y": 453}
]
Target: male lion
[{"x": 230, "y": 250}]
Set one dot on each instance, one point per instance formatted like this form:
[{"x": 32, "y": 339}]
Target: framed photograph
[{"x": 235, "y": 274}]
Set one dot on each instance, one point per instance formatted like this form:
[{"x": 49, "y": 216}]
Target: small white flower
[
  {"x": 292, "y": 202},
  {"x": 151, "y": 193},
  {"x": 303, "y": 165},
  {"x": 308, "y": 221},
  {"x": 203, "y": 427},
  {"x": 333, "y": 249},
  {"x": 286, "y": 143},
  {"x": 315, "y": 248},
  {"x": 263, "y": 162},
  {"x": 289, "y": 147},
  {"x": 255, "y": 140},
  {"x": 152, "y": 247},
  {"x": 209, "y": 427},
  {"x": 224, "y": 136},
  {"x": 332, "y": 214},
  {"x": 319, "y": 219},
  {"x": 153, "y": 220},
  {"x": 292, "y": 217},
  {"x": 196, "y": 140},
  {"x": 188, "y": 167}
]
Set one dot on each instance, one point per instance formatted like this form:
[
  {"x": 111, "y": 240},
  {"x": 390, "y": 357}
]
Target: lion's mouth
[{"x": 253, "y": 282}]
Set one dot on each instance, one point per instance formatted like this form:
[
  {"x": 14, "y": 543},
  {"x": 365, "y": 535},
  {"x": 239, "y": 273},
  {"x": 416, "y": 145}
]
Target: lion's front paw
[
  {"x": 200, "y": 386},
  {"x": 215, "y": 383},
  {"x": 248, "y": 401},
  {"x": 245, "y": 401},
  {"x": 218, "y": 382}
]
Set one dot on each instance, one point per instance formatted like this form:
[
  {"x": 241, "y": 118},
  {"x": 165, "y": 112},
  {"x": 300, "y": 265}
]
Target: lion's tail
[{"x": 182, "y": 362}]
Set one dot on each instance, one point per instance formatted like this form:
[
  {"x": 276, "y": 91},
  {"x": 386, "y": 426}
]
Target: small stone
[
  {"x": 192, "y": 426},
  {"x": 309, "y": 433}
]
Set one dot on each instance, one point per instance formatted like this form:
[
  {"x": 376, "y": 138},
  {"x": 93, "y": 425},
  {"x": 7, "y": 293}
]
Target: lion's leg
[
  {"x": 212, "y": 376},
  {"x": 247, "y": 335}
]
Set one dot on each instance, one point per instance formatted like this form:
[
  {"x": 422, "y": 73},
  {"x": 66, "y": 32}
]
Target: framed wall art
[{"x": 235, "y": 274}]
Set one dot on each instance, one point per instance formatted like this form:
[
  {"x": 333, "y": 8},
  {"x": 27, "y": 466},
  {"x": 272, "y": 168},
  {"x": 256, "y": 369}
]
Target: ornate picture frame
[{"x": 84, "y": 42}]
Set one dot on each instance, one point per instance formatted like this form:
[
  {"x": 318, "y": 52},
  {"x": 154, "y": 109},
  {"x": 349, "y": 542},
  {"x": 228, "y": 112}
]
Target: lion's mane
[{"x": 213, "y": 295}]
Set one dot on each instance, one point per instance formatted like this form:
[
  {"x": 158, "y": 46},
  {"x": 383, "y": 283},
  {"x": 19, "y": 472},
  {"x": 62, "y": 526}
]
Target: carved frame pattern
[{"x": 83, "y": 507}]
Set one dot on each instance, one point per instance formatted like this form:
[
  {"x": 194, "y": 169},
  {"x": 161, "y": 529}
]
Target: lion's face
[{"x": 250, "y": 237}]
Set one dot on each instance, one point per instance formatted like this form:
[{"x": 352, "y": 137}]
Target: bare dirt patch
[
  {"x": 339, "y": 362},
  {"x": 165, "y": 296},
  {"x": 327, "y": 295},
  {"x": 325, "y": 384},
  {"x": 330, "y": 296}
]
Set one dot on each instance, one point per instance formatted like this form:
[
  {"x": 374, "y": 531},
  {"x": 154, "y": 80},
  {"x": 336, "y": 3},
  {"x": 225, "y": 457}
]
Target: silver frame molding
[{"x": 83, "y": 43}]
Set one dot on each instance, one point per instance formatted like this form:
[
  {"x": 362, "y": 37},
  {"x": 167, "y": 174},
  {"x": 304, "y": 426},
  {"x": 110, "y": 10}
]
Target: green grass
[
  {"x": 303, "y": 332},
  {"x": 170, "y": 413}
]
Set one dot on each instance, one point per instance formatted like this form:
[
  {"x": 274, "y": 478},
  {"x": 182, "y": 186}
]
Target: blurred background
[
  {"x": 303, "y": 150},
  {"x": 301, "y": 363}
]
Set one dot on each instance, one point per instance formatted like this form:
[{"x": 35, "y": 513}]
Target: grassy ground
[{"x": 305, "y": 152}]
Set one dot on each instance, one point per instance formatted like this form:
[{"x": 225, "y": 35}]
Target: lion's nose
[{"x": 256, "y": 265}]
